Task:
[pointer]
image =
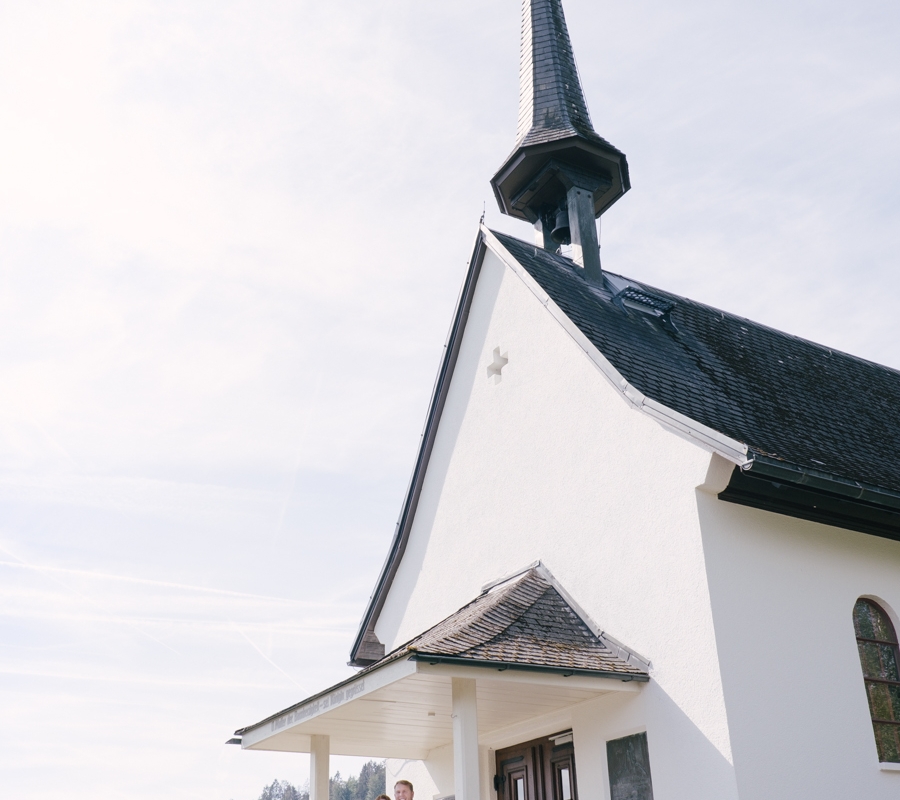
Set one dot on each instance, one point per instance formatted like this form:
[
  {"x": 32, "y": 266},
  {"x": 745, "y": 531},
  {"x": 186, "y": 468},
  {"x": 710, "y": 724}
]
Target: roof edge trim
[
  {"x": 389, "y": 672},
  {"x": 502, "y": 666},
  {"x": 509, "y": 576},
  {"x": 822, "y": 481},
  {"x": 317, "y": 696},
  {"x": 622, "y": 651},
  {"x": 426, "y": 444},
  {"x": 685, "y": 427}
]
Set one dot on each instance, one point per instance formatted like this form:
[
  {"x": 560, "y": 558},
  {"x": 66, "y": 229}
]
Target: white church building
[{"x": 650, "y": 549}]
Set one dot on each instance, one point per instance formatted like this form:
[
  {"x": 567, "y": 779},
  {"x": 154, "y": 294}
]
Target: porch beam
[
  {"x": 319, "y": 767},
  {"x": 599, "y": 684},
  {"x": 465, "y": 739},
  {"x": 295, "y": 718}
]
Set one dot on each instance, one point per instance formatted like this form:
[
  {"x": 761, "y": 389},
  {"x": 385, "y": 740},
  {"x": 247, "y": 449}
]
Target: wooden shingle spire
[
  {"x": 551, "y": 101},
  {"x": 561, "y": 174}
]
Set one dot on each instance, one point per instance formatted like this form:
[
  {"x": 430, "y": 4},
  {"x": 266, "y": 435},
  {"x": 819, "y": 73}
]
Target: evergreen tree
[
  {"x": 282, "y": 790},
  {"x": 371, "y": 781},
  {"x": 337, "y": 788},
  {"x": 366, "y": 786}
]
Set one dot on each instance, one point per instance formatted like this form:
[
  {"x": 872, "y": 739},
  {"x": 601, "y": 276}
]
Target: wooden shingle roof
[
  {"x": 523, "y": 623},
  {"x": 552, "y": 104}
]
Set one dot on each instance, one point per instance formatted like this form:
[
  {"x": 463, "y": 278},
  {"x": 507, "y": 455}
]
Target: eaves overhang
[
  {"x": 783, "y": 488},
  {"x": 526, "y": 162},
  {"x": 820, "y": 480},
  {"x": 402, "y": 707},
  {"x": 503, "y": 666}
]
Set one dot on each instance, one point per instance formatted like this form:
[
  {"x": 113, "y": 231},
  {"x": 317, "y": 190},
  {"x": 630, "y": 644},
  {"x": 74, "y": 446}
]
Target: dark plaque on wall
[{"x": 629, "y": 768}]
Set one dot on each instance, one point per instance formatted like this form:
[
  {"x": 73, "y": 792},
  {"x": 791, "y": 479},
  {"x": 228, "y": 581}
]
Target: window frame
[{"x": 887, "y": 619}]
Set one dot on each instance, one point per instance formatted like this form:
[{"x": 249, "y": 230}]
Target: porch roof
[
  {"x": 531, "y": 653},
  {"x": 525, "y": 621}
]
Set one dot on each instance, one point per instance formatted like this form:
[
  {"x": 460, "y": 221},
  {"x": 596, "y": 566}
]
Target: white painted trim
[
  {"x": 321, "y": 704},
  {"x": 889, "y": 767},
  {"x": 621, "y": 650},
  {"x": 532, "y": 728},
  {"x": 319, "y": 767},
  {"x": 465, "y": 739},
  {"x": 402, "y": 668},
  {"x": 508, "y": 577},
  {"x": 685, "y": 427}
]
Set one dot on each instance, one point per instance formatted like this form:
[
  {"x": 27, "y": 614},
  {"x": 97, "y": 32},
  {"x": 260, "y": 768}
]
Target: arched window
[{"x": 880, "y": 660}]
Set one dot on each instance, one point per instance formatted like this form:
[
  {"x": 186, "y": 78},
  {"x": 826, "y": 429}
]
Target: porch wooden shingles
[
  {"x": 526, "y": 623},
  {"x": 528, "y": 653}
]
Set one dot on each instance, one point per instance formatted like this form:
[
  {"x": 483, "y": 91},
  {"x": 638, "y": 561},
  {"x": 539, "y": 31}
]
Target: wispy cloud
[
  {"x": 267, "y": 659},
  {"x": 102, "y": 576}
]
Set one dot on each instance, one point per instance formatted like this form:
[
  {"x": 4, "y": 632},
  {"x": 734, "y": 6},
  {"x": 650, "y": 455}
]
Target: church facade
[{"x": 649, "y": 549}]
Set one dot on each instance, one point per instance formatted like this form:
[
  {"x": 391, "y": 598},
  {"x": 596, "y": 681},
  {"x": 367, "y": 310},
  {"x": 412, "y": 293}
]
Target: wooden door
[{"x": 537, "y": 770}]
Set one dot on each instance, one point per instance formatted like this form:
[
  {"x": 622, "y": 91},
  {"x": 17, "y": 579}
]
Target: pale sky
[{"x": 231, "y": 238}]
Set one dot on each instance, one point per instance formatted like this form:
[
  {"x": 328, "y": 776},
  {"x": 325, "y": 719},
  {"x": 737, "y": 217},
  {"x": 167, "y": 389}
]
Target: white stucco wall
[
  {"x": 551, "y": 464},
  {"x": 782, "y": 593}
]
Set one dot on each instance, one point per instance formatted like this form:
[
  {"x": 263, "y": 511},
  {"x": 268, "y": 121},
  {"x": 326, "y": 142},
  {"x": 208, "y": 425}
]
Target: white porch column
[
  {"x": 318, "y": 767},
  {"x": 465, "y": 739}
]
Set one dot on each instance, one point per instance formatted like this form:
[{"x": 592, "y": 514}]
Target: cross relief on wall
[{"x": 495, "y": 368}]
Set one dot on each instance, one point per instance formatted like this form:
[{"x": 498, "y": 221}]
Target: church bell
[{"x": 560, "y": 233}]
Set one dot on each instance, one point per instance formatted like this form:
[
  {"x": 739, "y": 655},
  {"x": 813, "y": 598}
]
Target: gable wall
[
  {"x": 551, "y": 464},
  {"x": 783, "y": 592}
]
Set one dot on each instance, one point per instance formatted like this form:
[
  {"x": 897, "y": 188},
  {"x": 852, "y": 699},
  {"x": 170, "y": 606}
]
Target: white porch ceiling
[{"x": 402, "y": 710}]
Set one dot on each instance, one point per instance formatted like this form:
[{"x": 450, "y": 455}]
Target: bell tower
[{"x": 561, "y": 175}]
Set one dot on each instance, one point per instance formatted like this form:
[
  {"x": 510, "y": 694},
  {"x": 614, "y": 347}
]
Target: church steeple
[
  {"x": 551, "y": 101},
  {"x": 561, "y": 174}
]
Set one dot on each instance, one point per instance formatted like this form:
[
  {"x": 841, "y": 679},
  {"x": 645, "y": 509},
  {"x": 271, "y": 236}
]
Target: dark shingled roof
[
  {"x": 550, "y": 78},
  {"x": 787, "y": 399},
  {"x": 524, "y": 622}
]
